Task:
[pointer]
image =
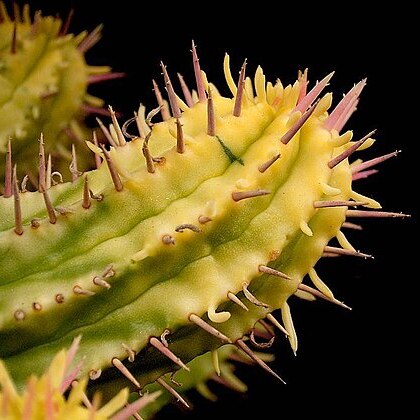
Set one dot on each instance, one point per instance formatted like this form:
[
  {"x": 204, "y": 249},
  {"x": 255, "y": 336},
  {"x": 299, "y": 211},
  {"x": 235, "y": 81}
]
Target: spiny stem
[
  {"x": 209, "y": 328},
  {"x": 334, "y": 162},
  {"x": 198, "y": 76},
  {"x": 240, "y": 92}
]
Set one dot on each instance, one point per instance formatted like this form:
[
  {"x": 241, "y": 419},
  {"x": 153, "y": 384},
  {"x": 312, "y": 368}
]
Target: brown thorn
[
  {"x": 322, "y": 204},
  {"x": 347, "y": 252},
  {"x": 209, "y": 328},
  {"x": 112, "y": 170},
  {"x": 242, "y": 195},
  {"x": 8, "y": 186},
  {"x": 354, "y": 226},
  {"x": 276, "y": 323},
  {"x": 18, "y": 210},
  {"x": 65, "y": 28},
  {"x": 166, "y": 352},
  {"x": 264, "y": 166},
  {"x": 50, "y": 209},
  {"x": 73, "y": 165},
  {"x": 261, "y": 345},
  {"x": 373, "y": 162},
  {"x": 186, "y": 91},
  {"x": 115, "y": 123},
  {"x": 241, "y": 344},
  {"x": 189, "y": 226},
  {"x": 299, "y": 124},
  {"x": 334, "y": 162},
  {"x": 180, "y": 144},
  {"x": 163, "y": 108},
  {"x": 211, "y": 120},
  {"x": 98, "y": 281},
  {"x": 252, "y": 298},
  {"x": 273, "y": 272},
  {"x": 48, "y": 173},
  {"x": 172, "y": 391},
  {"x": 147, "y": 155},
  {"x": 320, "y": 295},
  {"x": 98, "y": 160},
  {"x": 13, "y": 46},
  {"x": 118, "y": 364},
  {"x": 198, "y": 76},
  {"x": 236, "y": 300},
  {"x": 106, "y": 132},
  {"x": 239, "y": 94},
  {"x": 41, "y": 166},
  {"x": 367, "y": 213},
  {"x": 173, "y": 100},
  {"x": 86, "y": 194},
  {"x": 77, "y": 290}
]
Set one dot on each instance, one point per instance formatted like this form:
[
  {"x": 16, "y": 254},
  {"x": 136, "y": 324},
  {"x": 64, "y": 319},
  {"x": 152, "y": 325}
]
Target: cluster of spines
[{"x": 115, "y": 136}]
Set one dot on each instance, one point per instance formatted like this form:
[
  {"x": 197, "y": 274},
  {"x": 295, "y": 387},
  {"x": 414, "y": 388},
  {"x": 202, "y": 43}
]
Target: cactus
[
  {"x": 44, "y": 79},
  {"x": 187, "y": 235}
]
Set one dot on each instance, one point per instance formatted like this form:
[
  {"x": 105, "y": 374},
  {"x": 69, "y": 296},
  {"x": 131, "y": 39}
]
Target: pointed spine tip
[
  {"x": 173, "y": 100},
  {"x": 198, "y": 76},
  {"x": 17, "y": 207},
  {"x": 242, "y": 195},
  {"x": 237, "y": 109},
  {"x": 112, "y": 170},
  {"x": 168, "y": 353}
]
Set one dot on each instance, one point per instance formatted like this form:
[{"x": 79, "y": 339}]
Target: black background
[{"x": 349, "y": 363}]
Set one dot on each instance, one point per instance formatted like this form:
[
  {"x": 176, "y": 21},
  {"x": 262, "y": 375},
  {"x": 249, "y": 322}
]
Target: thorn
[
  {"x": 112, "y": 170},
  {"x": 189, "y": 226},
  {"x": 298, "y": 125},
  {"x": 240, "y": 92},
  {"x": 363, "y": 174},
  {"x": 198, "y": 76},
  {"x": 73, "y": 165},
  {"x": 41, "y": 165},
  {"x": 173, "y": 101},
  {"x": 242, "y": 195},
  {"x": 85, "y": 399},
  {"x": 86, "y": 203},
  {"x": 314, "y": 93},
  {"x": 8, "y": 186},
  {"x": 131, "y": 353},
  {"x": 99, "y": 78},
  {"x": 373, "y": 162},
  {"x": 209, "y": 328},
  {"x": 146, "y": 153},
  {"x": 79, "y": 291},
  {"x": 180, "y": 144},
  {"x": 98, "y": 281},
  {"x": 168, "y": 239},
  {"x": 172, "y": 391},
  {"x": 353, "y": 226},
  {"x": 368, "y": 213},
  {"x": 166, "y": 352},
  {"x": 320, "y": 295},
  {"x": 13, "y": 46},
  {"x": 334, "y": 162},
  {"x": 273, "y": 272},
  {"x": 120, "y": 135},
  {"x": 98, "y": 160},
  {"x": 118, "y": 364},
  {"x": 18, "y": 210},
  {"x": 236, "y": 300},
  {"x": 252, "y": 298},
  {"x": 348, "y": 252},
  {"x": 211, "y": 121},
  {"x": 161, "y": 104},
  {"x": 264, "y": 166},
  {"x": 50, "y": 209},
  {"x": 323, "y": 204},
  {"x": 186, "y": 91},
  {"x": 240, "y": 343},
  {"x": 106, "y": 132},
  {"x": 276, "y": 323},
  {"x": 48, "y": 173},
  {"x": 90, "y": 40},
  {"x": 65, "y": 28},
  {"x": 94, "y": 110}
]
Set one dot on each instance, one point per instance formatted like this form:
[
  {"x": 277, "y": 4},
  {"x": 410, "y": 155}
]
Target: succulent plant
[{"x": 186, "y": 236}]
